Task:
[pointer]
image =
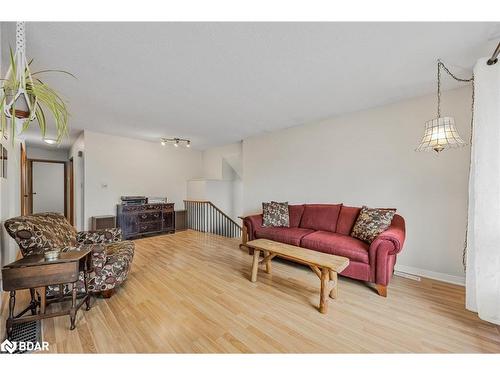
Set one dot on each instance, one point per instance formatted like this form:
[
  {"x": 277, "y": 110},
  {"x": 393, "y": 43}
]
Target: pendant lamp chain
[{"x": 441, "y": 65}]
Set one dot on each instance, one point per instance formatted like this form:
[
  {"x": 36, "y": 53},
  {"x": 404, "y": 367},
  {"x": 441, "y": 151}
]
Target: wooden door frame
[
  {"x": 24, "y": 180},
  {"x": 30, "y": 182},
  {"x": 71, "y": 176}
]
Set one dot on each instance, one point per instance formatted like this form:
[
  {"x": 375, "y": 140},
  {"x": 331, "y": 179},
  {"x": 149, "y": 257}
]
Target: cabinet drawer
[
  {"x": 145, "y": 217},
  {"x": 149, "y": 227}
]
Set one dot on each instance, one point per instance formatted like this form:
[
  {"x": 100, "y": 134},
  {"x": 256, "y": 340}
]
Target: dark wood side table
[{"x": 35, "y": 272}]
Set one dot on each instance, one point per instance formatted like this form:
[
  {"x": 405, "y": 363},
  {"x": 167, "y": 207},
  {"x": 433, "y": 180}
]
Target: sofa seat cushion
[
  {"x": 291, "y": 236},
  {"x": 337, "y": 244}
]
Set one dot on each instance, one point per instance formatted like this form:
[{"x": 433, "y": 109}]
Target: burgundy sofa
[{"x": 327, "y": 228}]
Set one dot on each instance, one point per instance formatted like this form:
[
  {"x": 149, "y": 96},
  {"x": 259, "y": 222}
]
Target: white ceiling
[{"x": 217, "y": 83}]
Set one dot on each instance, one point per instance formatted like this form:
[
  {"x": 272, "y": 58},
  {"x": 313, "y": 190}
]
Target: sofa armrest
[
  {"x": 384, "y": 248},
  {"x": 395, "y": 234},
  {"x": 99, "y": 236},
  {"x": 252, "y": 222}
]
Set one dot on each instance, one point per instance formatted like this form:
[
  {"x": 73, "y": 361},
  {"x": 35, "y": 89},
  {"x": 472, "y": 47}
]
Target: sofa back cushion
[
  {"x": 347, "y": 218},
  {"x": 38, "y": 233},
  {"x": 320, "y": 217},
  {"x": 296, "y": 211}
]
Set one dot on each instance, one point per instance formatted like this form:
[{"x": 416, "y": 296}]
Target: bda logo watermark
[
  {"x": 11, "y": 346},
  {"x": 8, "y": 346}
]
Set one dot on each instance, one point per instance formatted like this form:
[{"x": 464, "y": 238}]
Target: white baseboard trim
[{"x": 457, "y": 280}]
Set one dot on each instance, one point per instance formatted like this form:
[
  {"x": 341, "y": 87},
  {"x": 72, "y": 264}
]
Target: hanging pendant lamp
[{"x": 440, "y": 133}]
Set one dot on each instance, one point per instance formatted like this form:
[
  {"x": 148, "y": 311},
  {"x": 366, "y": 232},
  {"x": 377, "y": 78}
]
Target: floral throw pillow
[
  {"x": 275, "y": 214},
  {"x": 371, "y": 222}
]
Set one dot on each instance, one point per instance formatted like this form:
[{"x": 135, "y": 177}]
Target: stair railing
[{"x": 204, "y": 216}]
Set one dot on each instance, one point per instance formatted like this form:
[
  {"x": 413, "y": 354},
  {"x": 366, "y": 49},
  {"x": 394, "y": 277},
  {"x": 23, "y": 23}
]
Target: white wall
[
  {"x": 368, "y": 158},
  {"x": 58, "y": 154},
  {"x": 116, "y": 166},
  {"x": 10, "y": 199},
  {"x": 221, "y": 182},
  {"x": 213, "y": 166}
]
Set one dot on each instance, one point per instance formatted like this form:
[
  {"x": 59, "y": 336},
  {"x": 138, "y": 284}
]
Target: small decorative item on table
[{"x": 51, "y": 255}]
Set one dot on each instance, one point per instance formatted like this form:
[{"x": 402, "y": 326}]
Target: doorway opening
[{"x": 48, "y": 187}]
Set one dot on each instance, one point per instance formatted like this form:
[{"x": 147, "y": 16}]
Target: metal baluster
[
  {"x": 204, "y": 218},
  {"x": 212, "y": 220}
]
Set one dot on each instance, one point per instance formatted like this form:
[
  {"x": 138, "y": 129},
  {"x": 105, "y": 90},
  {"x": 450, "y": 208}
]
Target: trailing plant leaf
[{"x": 40, "y": 97}]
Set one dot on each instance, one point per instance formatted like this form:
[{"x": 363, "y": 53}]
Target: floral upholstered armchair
[{"x": 111, "y": 257}]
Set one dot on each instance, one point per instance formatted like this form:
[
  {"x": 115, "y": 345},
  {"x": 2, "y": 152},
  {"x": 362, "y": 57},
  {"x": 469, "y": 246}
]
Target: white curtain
[{"x": 483, "y": 250}]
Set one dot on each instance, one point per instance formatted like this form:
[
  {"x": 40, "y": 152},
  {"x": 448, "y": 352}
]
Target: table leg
[
  {"x": 72, "y": 312},
  {"x": 43, "y": 303},
  {"x": 323, "y": 299},
  {"x": 86, "y": 282},
  {"x": 333, "y": 277},
  {"x": 33, "y": 301},
  {"x": 12, "y": 304},
  {"x": 255, "y": 265},
  {"x": 268, "y": 262}
]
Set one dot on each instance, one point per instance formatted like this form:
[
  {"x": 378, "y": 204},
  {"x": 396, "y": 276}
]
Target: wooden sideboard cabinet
[{"x": 146, "y": 219}]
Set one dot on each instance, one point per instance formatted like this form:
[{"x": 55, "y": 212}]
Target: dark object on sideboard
[
  {"x": 145, "y": 219},
  {"x": 180, "y": 220},
  {"x": 102, "y": 222}
]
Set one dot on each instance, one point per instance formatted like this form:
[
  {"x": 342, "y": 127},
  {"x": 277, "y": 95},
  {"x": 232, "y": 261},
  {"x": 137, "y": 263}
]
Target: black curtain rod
[{"x": 494, "y": 57}]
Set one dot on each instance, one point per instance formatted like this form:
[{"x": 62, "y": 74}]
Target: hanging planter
[{"x": 24, "y": 96}]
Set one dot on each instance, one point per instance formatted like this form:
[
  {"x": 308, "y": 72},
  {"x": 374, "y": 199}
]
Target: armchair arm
[
  {"x": 97, "y": 251},
  {"x": 252, "y": 222},
  {"x": 384, "y": 248},
  {"x": 99, "y": 236}
]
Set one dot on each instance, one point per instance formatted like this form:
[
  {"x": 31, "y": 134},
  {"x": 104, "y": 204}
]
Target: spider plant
[{"x": 39, "y": 98}]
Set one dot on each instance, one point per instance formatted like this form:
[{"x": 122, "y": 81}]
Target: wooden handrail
[{"x": 214, "y": 206}]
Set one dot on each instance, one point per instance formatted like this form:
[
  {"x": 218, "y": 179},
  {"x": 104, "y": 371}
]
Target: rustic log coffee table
[{"x": 325, "y": 266}]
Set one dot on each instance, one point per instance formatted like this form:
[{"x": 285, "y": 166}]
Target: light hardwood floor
[{"x": 190, "y": 292}]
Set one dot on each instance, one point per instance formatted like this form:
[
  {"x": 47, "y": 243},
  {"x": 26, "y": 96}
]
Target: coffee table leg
[
  {"x": 323, "y": 299},
  {"x": 255, "y": 265},
  {"x": 72, "y": 312},
  {"x": 334, "y": 292},
  {"x": 268, "y": 262}
]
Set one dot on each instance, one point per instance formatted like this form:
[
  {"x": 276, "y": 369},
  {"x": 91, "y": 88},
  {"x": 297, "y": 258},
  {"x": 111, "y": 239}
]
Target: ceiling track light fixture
[{"x": 176, "y": 142}]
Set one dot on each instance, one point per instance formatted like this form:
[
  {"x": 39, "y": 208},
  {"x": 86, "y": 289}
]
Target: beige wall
[
  {"x": 368, "y": 158},
  {"x": 116, "y": 166}
]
